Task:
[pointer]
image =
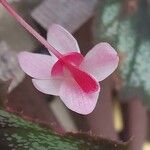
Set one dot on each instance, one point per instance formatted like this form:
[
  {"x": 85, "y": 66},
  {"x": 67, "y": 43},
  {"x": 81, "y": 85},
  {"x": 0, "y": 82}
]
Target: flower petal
[
  {"x": 77, "y": 100},
  {"x": 50, "y": 86},
  {"x": 101, "y": 61},
  {"x": 62, "y": 40},
  {"x": 87, "y": 83},
  {"x": 36, "y": 65},
  {"x": 74, "y": 58}
]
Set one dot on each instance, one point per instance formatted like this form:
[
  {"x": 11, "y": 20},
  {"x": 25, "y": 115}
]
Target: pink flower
[
  {"x": 67, "y": 73},
  {"x": 72, "y": 77}
]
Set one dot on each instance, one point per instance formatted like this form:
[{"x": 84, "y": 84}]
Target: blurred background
[{"x": 122, "y": 112}]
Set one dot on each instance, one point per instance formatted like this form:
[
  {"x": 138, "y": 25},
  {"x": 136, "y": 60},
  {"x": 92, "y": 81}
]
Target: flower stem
[{"x": 23, "y": 23}]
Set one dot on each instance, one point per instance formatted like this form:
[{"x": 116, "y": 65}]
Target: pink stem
[
  {"x": 30, "y": 29},
  {"x": 78, "y": 75}
]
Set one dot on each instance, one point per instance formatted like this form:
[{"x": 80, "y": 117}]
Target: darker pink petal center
[
  {"x": 71, "y": 62},
  {"x": 73, "y": 58}
]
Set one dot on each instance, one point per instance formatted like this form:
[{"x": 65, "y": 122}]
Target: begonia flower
[
  {"x": 66, "y": 73},
  {"x": 99, "y": 63}
]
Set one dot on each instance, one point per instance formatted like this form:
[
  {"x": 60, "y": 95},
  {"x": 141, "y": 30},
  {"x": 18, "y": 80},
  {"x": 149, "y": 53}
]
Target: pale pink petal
[
  {"x": 50, "y": 86},
  {"x": 36, "y": 65},
  {"x": 62, "y": 40},
  {"x": 101, "y": 61},
  {"x": 77, "y": 100}
]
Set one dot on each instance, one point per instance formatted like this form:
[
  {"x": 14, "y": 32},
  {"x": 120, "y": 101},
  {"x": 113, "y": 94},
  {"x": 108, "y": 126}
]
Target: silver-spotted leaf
[
  {"x": 18, "y": 134},
  {"x": 129, "y": 32}
]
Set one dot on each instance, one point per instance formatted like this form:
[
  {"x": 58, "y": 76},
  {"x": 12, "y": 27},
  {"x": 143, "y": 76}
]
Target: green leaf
[
  {"x": 19, "y": 134},
  {"x": 129, "y": 33}
]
